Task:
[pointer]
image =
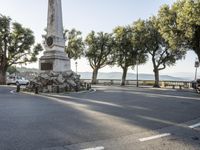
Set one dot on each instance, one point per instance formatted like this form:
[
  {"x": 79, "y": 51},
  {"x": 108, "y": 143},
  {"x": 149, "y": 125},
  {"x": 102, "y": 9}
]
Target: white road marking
[
  {"x": 154, "y": 137},
  {"x": 12, "y": 92},
  {"x": 88, "y": 91},
  {"x": 195, "y": 125},
  {"x": 97, "y": 148},
  {"x": 93, "y": 90},
  {"x": 157, "y": 95}
]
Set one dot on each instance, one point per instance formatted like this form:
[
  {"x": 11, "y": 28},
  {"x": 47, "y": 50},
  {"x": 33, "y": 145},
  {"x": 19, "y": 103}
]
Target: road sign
[{"x": 196, "y": 64}]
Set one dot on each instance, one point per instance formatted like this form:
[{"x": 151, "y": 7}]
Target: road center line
[
  {"x": 154, "y": 137},
  {"x": 97, "y": 148},
  {"x": 195, "y": 125}
]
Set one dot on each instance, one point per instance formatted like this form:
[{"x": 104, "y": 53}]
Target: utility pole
[
  {"x": 196, "y": 67},
  {"x": 76, "y": 63}
]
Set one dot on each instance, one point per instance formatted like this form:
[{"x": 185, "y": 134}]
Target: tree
[
  {"x": 74, "y": 45},
  {"x": 99, "y": 51},
  {"x": 180, "y": 25},
  {"x": 126, "y": 52},
  {"x": 151, "y": 41},
  {"x": 15, "y": 46}
]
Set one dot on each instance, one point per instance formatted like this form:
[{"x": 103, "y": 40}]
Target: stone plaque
[{"x": 46, "y": 66}]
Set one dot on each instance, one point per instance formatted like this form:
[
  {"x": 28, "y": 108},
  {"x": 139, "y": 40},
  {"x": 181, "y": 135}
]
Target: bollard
[
  {"x": 76, "y": 88},
  {"x": 66, "y": 89},
  {"x": 111, "y": 82},
  {"x": 57, "y": 89},
  {"x": 18, "y": 88},
  {"x": 70, "y": 88},
  {"x": 36, "y": 89},
  {"x": 85, "y": 84},
  {"x": 88, "y": 86}
]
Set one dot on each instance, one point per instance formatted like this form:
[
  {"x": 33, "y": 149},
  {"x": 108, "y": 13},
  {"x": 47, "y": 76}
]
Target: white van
[{"x": 16, "y": 80}]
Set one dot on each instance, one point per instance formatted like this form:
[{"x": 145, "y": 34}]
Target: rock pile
[{"x": 57, "y": 82}]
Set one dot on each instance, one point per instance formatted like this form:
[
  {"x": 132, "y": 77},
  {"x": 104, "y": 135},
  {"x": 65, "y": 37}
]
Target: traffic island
[{"x": 54, "y": 82}]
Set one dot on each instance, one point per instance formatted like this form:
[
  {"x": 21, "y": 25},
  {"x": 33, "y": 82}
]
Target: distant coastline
[{"x": 130, "y": 76}]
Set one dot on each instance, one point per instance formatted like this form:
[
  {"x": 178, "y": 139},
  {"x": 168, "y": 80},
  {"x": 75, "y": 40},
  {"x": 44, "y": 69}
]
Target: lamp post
[
  {"x": 196, "y": 67},
  {"x": 137, "y": 73},
  {"x": 76, "y": 63}
]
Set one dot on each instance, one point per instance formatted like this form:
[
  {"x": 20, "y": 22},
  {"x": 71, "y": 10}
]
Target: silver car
[{"x": 16, "y": 80}]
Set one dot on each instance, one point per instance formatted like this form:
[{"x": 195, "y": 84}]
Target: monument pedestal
[{"x": 56, "y": 61}]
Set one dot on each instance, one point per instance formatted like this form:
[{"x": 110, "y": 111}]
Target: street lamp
[
  {"x": 137, "y": 62},
  {"x": 196, "y": 66},
  {"x": 137, "y": 75},
  {"x": 76, "y": 63}
]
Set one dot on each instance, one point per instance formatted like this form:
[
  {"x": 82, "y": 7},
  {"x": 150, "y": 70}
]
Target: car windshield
[
  {"x": 12, "y": 78},
  {"x": 19, "y": 78}
]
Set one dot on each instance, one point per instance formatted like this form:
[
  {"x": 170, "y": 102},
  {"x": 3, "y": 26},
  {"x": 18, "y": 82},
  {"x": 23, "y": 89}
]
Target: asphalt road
[{"x": 112, "y": 118}]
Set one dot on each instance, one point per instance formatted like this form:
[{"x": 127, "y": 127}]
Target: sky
[{"x": 97, "y": 15}]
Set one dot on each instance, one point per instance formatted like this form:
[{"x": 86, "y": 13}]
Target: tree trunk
[
  {"x": 94, "y": 76},
  {"x": 196, "y": 41},
  {"x": 156, "y": 74},
  {"x": 124, "y": 76},
  {"x": 2, "y": 77}
]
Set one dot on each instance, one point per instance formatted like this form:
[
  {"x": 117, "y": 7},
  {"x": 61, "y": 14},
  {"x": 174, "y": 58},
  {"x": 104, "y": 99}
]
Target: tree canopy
[
  {"x": 16, "y": 45},
  {"x": 151, "y": 41},
  {"x": 180, "y": 25},
  {"x": 99, "y": 51},
  {"x": 126, "y": 52},
  {"x": 74, "y": 44}
]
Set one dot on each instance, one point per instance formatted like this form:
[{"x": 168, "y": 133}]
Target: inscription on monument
[{"x": 46, "y": 66}]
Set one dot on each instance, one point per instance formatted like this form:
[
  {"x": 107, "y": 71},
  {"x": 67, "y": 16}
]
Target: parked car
[
  {"x": 16, "y": 80},
  {"x": 196, "y": 85}
]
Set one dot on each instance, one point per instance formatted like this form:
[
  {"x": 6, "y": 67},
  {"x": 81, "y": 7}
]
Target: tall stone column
[
  {"x": 55, "y": 22},
  {"x": 54, "y": 58}
]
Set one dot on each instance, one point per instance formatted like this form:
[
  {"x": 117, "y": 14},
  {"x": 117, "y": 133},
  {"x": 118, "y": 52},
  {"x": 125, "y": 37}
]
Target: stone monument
[
  {"x": 54, "y": 58},
  {"x": 56, "y": 74}
]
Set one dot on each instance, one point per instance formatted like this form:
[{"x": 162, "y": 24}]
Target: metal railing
[{"x": 183, "y": 84}]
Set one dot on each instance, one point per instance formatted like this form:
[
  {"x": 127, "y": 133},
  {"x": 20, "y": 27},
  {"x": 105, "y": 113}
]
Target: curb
[{"x": 49, "y": 95}]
